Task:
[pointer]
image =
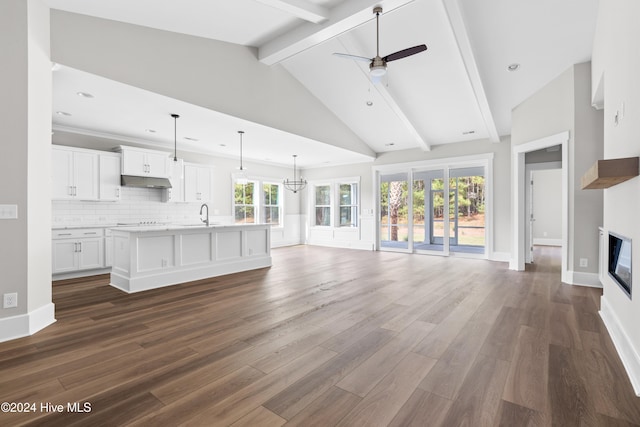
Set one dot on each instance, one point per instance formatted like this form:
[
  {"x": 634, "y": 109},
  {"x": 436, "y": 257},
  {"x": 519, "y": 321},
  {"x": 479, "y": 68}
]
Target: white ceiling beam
[
  {"x": 464, "y": 46},
  {"x": 300, "y": 9},
  {"x": 351, "y": 46},
  {"x": 342, "y": 18}
]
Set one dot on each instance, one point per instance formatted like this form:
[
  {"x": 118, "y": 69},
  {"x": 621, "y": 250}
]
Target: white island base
[{"x": 153, "y": 257}]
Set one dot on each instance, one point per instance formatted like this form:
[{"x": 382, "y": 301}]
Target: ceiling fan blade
[
  {"x": 354, "y": 57},
  {"x": 405, "y": 52}
]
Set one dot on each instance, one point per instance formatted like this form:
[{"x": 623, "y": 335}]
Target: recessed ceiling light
[
  {"x": 150, "y": 130},
  {"x": 390, "y": 144},
  {"x": 191, "y": 139},
  {"x": 84, "y": 94},
  {"x": 469, "y": 132},
  {"x": 63, "y": 113},
  {"x": 513, "y": 67},
  {"x": 222, "y": 145},
  {"x": 369, "y": 103}
]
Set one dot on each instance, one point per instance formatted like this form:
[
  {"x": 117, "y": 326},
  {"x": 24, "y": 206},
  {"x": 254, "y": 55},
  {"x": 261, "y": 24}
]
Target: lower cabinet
[{"x": 79, "y": 249}]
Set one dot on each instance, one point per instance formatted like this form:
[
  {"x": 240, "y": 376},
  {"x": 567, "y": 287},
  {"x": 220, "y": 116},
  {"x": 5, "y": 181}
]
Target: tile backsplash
[{"x": 135, "y": 205}]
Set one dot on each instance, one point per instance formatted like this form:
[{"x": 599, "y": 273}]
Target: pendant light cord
[{"x": 175, "y": 136}]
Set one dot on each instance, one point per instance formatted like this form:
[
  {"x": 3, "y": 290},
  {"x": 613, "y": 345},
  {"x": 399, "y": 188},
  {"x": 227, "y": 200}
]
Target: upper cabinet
[
  {"x": 198, "y": 181},
  {"x": 75, "y": 174},
  {"x": 142, "y": 162},
  {"x": 110, "y": 176}
]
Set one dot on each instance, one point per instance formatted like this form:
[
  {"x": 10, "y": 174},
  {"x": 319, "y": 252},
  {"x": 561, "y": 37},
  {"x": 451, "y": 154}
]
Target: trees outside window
[
  {"x": 244, "y": 203},
  {"x": 271, "y": 198}
]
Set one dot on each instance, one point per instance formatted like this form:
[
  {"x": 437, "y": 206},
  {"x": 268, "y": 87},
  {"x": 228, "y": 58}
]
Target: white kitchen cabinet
[
  {"x": 141, "y": 162},
  {"x": 75, "y": 174},
  {"x": 108, "y": 248},
  {"x": 176, "y": 177},
  {"x": 197, "y": 183},
  {"x": 77, "y": 249},
  {"x": 110, "y": 177}
]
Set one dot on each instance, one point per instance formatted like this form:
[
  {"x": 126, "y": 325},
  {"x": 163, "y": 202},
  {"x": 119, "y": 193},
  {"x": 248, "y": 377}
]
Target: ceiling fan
[{"x": 378, "y": 64}]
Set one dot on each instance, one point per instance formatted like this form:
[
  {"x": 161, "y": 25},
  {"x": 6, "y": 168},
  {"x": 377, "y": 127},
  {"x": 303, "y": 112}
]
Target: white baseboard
[
  {"x": 547, "y": 242},
  {"x": 81, "y": 273},
  {"x": 355, "y": 244},
  {"x": 27, "y": 324},
  {"x": 591, "y": 280},
  {"x": 283, "y": 243},
  {"x": 500, "y": 256},
  {"x": 621, "y": 341}
]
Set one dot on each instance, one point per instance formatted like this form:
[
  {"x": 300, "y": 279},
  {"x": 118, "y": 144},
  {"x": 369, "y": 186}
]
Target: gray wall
[
  {"x": 25, "y": 120},
  {"x": 564, "y": 105},
  {"x": 220, "y": 76}
]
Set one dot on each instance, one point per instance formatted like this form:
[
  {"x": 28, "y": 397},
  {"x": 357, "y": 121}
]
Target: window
[
  {"x": 257, "y": 201},
  {"x": 271, "y": 198},
  {"x": 335, "y": 203},
  {"x": 348, "y": 197},
  {"x": 323, "y": 205},
  {"x": 245, "y": 203}
]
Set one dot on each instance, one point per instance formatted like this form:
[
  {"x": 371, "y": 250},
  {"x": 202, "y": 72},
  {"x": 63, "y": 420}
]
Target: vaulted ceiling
[{"x": 460, "y": 89}]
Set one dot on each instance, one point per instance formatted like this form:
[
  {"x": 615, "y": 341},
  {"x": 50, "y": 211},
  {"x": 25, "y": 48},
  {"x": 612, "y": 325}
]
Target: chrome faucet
[{"x": 206, "y": 220}]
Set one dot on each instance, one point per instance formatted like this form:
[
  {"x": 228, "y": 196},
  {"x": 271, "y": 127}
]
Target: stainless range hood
[{"x": 144, "y": 181}]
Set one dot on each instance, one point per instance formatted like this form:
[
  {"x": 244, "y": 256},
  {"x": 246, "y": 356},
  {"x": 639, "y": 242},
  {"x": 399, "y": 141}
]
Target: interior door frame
[
  {"x": 529, "y": 169},
  {"x": 518, "y": 209}
]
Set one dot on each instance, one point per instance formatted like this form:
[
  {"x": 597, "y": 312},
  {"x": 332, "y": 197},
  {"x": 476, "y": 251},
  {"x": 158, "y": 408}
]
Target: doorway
[
  {"x": 520, "y": 217},
  {"x": 435, "y": 210}
]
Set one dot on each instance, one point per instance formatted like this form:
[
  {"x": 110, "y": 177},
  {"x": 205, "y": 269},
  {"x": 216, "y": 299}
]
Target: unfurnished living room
[{"x": 319, "y": 213}]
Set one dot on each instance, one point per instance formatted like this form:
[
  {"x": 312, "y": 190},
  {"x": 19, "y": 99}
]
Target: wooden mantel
[{"x": 607, "y": 173}]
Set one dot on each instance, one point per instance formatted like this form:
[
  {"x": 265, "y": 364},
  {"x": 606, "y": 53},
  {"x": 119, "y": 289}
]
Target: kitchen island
[{"x": 152, "y": 257}]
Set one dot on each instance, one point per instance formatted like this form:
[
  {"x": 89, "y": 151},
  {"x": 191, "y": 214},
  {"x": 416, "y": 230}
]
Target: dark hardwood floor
[{"x": 328, "y": 337}]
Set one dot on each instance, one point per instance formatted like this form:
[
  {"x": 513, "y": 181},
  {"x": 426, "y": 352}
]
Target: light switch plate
[{"x": 8, "y": 211}]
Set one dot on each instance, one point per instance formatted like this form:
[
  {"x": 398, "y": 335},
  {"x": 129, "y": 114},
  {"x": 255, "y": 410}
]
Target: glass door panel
[
  {"x": 394, "y": 210},
  {"x": 428, "y": 220},
  {"x": 467, "y": 210}
]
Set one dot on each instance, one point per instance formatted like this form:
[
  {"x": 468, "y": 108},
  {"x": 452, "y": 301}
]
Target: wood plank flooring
[{"x": 328, "y": 337}]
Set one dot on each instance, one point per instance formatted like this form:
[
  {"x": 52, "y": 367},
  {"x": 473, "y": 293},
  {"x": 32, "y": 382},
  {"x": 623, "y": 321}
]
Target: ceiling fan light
[{"x": 378, "y": 70}]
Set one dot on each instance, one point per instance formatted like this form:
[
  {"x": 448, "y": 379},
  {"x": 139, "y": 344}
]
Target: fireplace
[{"x": 619, "y": 263}]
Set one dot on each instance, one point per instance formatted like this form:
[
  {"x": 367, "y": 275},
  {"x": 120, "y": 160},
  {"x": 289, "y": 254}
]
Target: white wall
[
  {"x": 615, "y": 57},
  {"x": 501, "y": 171},
  {"x": 25, "y": 120},
  {"x": 547, "y": 206}
]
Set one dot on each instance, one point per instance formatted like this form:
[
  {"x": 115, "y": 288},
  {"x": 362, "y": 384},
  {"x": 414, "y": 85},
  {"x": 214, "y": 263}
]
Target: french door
[{"x": 436, "y": 211}]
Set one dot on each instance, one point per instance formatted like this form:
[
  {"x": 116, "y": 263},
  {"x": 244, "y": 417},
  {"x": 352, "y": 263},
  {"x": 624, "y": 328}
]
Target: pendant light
[
  {"x": 175, "y": 136},
  {"x": 241, "y": 177},
  {"x": 295, "y": 185}
]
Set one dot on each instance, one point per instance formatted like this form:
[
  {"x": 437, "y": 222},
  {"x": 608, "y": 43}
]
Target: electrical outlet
[
  {"x": 10, "y": 300},
  {"x": 584, "y": 262}
]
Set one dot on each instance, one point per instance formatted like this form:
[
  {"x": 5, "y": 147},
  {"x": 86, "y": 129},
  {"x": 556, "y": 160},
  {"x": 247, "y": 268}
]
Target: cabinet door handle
[
  {"x": 118, "y": 193},
  {"x": 71, "y": 190},
  {"x": 75, "y": 246},
  {"x": 92, "y": 232},
  {"x": 80, "y": 245},
  {"x": 75, "y": 190},
  {"x": 64, "y": 234}
]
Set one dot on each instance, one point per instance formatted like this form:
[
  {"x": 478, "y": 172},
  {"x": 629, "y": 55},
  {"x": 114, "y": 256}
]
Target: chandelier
[{"x": 295, "y": 185}]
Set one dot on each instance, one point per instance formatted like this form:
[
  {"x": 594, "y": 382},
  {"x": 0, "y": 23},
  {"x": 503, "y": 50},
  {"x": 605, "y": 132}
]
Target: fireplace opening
[{"x": 620, "y": 261}]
